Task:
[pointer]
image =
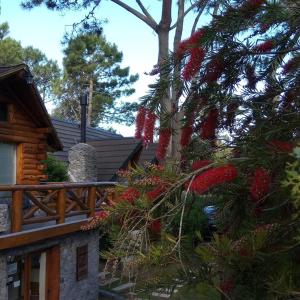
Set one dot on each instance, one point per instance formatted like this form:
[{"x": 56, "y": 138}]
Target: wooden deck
[{"x": 52, "y": 209}]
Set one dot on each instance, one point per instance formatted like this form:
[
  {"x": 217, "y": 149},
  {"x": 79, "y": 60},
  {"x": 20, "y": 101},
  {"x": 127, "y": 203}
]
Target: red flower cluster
[
  {"x": 264, "y": 47},
  {"x": 213, "y": 177},
  {"x": 200, "y": 164},
  {"x": 186, "y": 135},
  {"x": 291, "y": 65},
  {"x": 155, "y": 226},
  {"x": 155, "y": 193},
  {"x": 192, "y": 41},
  {"x": 282, "y": 146},
  {"x": 226, "y": 286},
  {"x": 163, "y": 142},
  {"x": 149, "y": 127},
  {"x": 255, "y": 3},
  {"x": 263, "y": 27},
  {"x": 140, "y": 122},
  {"x": 149, "y": 180},
  {"x": 251, "y": 77},
  {"x": 193, "y": 65},
  {"x": 209, "y": 125},
  {"x": 214, "y": 70},
  {"x": 129, "y": 195},
  {"x": 260, "y": 185},
  {"x": 96, "y": 221}
]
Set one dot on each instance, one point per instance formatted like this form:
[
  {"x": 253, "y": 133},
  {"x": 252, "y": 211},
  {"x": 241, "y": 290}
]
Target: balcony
[{"x": 50, "y": 210}]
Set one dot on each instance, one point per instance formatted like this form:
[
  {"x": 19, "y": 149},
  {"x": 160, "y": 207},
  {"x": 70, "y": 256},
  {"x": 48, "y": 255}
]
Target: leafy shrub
[{"x": 56, "y": 170}]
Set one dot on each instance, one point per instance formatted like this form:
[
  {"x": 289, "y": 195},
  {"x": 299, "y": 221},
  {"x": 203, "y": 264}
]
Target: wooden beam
[
  {"x": 44, "y": 130},
  {"x": 61, "y": 206},
  {"x": 34, "y": 235},
  {"x": 91, "y": 202}
]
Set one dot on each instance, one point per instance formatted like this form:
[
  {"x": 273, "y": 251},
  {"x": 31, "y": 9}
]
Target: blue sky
[{"x": 44, "y": 30}]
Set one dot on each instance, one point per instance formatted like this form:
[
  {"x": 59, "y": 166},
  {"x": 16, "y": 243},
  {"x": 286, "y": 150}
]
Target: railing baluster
[
  {"x": 91, "y": 201},
  {"x": 17, "y": 211},
  {"x": 61, "y": 206}
]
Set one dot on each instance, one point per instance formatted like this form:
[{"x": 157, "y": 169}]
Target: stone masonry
[
  {"x": 82, "y": 163},
  {"x": 70, "y": 288}
]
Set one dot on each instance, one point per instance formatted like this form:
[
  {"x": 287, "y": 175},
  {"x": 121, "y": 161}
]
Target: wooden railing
[{"x": 54, "y": 201}]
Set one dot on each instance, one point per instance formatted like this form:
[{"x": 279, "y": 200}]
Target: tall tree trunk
[{"x": 90, "y": 106}]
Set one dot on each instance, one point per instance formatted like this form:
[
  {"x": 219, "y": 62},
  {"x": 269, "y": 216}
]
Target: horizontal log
[
  {"x": 29, "y": 155},
  {"x": 42, "y": 177},
  {"x": 30, "y": 161},
  {"x": 25, "y": 133},
  {"x": 42, "y": 156},
  {"x": 43, "y": 219},
  {"x": 56, "y": 186},
  {"x": 44, "y": 130},
  {"x": 30, "y": 166},
  {"x": 17, "y": 139},
  {"x": 31, "y": 172}
]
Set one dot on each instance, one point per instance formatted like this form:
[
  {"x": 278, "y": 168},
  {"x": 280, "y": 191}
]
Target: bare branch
[
  {"x": 136, "y": 13},
  {"x": 198, "y": 16},
  {"x": 185, "y": 13},
  {"x": 145, "y": 11},
  {"x": 179, "y": 27}
]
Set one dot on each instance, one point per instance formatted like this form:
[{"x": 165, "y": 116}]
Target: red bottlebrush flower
[
  {"x": 155, "y": 226},
  {"x": 149, "y": 127},
  {"x": 163, "y": 142},
  {"x": 193, "y": 65},
  {"x": 214, "y": 70},
  {"x": 129, "y": 195},
  {"x": 264, "y": 47},
  {"x": 227, "y": 286},
  {"x": 140, "y": 122},
  {"x": 194, "y": 39},
  {"x": 191, "y": 42},
  {"x": 282, "y": 146},
  {"x": 212, "y": 177},
  {"x": 230, "y": 114},
  {"x": 186, "y": 135},
  {"x": 263, "y": 27},
  {"x": 260, "y": 185},
  {"x": 96, "y": 221},
  {"x": 200, "y": 164},
  {"x": 251, "y": 77},
  {"x": 245, "y": 252},
  {"x": 291, "y": 65},
  {"x": 157, "y": 192},
  {"x": 255, "y": 3},
  {"x": 209, "y": 125}
]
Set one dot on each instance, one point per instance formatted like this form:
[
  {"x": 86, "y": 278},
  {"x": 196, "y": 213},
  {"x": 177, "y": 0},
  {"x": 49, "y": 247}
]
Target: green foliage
[
  {"x": 56, "y": 170},
  {"x": 92, "y": 63},
  {"x": 46, "y": 72}
]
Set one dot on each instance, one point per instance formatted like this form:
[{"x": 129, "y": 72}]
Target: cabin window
[
  {"x": 3, "y": 112},
  {"x": 7, "y": 163}
]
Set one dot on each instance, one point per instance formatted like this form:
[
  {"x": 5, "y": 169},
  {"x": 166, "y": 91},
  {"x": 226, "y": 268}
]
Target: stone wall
[
  {"x": 70, "y": 288},
  {"x": 86, "y": 289}
]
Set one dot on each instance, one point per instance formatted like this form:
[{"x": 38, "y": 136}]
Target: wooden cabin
[{"x": 43, "y": 253}]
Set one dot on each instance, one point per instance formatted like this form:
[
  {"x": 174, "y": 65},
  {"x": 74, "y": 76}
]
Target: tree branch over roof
[{"x": 136, "y": 13}]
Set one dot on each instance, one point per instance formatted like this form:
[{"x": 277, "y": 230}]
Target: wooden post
[
  {"x": 17, "y": 211},
  {"x": 61, "y": 206},
  {"x": 91, "y": 201}
]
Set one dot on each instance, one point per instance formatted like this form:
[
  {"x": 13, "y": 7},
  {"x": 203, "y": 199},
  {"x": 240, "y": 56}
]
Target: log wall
[{"x": 31, "y": 143}]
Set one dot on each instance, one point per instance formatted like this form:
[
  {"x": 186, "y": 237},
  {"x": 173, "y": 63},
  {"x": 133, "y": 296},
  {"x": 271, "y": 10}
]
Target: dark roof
[
  {"x": 12, "y": 80},
  {"x": 114, "y": 154},
  {"x": 69, "y": 134},
  {"x": 148, "y": 154}
]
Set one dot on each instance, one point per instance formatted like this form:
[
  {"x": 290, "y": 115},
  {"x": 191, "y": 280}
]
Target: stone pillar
[
  {"x": 4, "y": 218},
  {"x": 82, "y": 163}
]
